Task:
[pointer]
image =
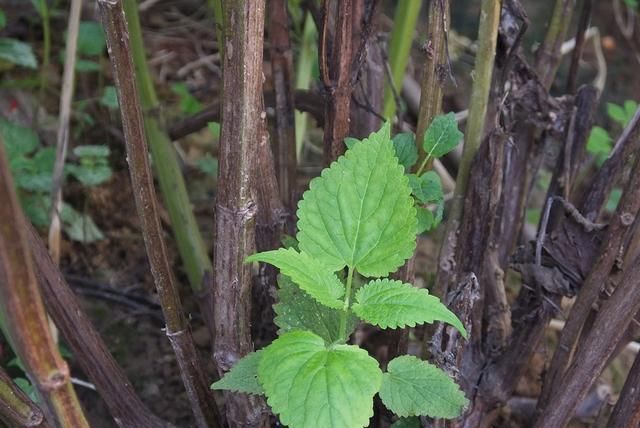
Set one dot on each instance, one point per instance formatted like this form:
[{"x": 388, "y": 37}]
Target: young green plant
[{"x": 358, "y": 217}]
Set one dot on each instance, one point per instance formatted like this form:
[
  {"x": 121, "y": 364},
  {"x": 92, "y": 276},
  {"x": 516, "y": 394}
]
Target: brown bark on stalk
[
  {"x": 492, "y": 363},
  {"x": 335, "y": 58},
  {"x": 88, "y": 348},
  {"x": 368, "y": 74},
  {"x": 609, "y": 327},
  {"x": 436, "y": 70},
  {"x": 16, "y": 409},
  {"x": 242, "y": 118},
  {"x": 282, "y": 72},
  {"x": 561, "y": 365},
  {"x": 304, "y": 100},
  {"x": 177, "y": 327},
  {"x": 272, "y": 219},
  {"x": 24, "y": 315}
]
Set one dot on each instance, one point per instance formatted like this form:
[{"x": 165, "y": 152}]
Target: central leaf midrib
[{"x": 359, "y": 217}]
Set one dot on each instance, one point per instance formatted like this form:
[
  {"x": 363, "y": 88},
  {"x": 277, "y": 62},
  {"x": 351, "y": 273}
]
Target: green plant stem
[
  {"x": 15, "y": 407},
  {"x": 172, "y": 186},
  {"x": 548, "y": 55},
  {"x": 304, "y": 74},
  {"x": 23, "y": 313},
  {"x": 404, "y": 25},
  {"x": 487, "y": 37},
  {"x": 423, "y": 166},
  {"x": 345, "y": 309},
  {"x": 216, "y": 7}
]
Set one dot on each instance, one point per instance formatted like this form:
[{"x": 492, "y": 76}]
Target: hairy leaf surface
[
  {"x": 442, "y": 136},
  {"x": 359, "y": 212},
  {"x": 307, "y": 272},
  {"x": 412, "y": 387},
  {"x": 310, "y": 385},
  {"x": 390, "y": 304},
  {"x": 243, "y": 376},
  {"x": 296, "y": 310}
]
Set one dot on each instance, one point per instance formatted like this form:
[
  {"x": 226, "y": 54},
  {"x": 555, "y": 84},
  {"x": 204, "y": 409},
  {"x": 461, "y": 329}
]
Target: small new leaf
[
  {"x": 442, "y": 136},
  {"x": 307, "y": 272},
  {"x": 391, "y": 304},
  {"x": 296, "y": 310},
  {"x": 426, "y": 221},
  {"x": 406, "y": 150},
  {"x": 360, "y": 212},
  {"x": 310, "y": 385},
  {"x": 412, "y": 387},
  {"x": 243, "y": 376},
  {"x": 427, "y": 187}
]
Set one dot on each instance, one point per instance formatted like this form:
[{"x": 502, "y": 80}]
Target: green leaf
[
  {"x": 109, "y": 98},
  {"x": 243, "y": 376},
  {"x": 296, "y": 310},
  {"x": 350, "y": 142},
  {"x": 27, "y": 387},
  {"x": 289, "y": 241},
  {"x": 18, "y": 140},
  {"x": 307, "y": 272},
  {"x": 391, "y": 304},
  {"x": 406, "y": 150},
  {"x": 17, "y": 52},
  {"x": 44, "y": 160},
  {"x": 614, "y": 199},
  {"x": 310, "y": 385},
  {"x": 426, "y": 221},
  {"x": 442, "y": 136},
  {"x": 214, "y": 127},
  {"x": 90, "y": 175},
  {"x": 617, "y": 113},
  {"x": 599, "y": 141},
  {"x": 79, "y": 227},
  {"x": 188, "y": 103},
  {"x": 412, "y": 387},
  {"x": 95, "y": 151},
  {"x": 208, "y": 165},
  {"x": 34, "y": 181},
  {"x": 411, "y": 422},
  {"x": 359, "y": 212},
  {"x": 426, "y": 188},
  {"x": 630, "y": 107},
  {"x": 3, "y": 19},
  {"x": 91, "y": 40},
  {"x": 85, "y": 65},
  {"x": 36, "y": 207},
  {"x": 404, "y": 145}
]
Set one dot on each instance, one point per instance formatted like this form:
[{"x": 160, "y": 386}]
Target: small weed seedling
[{"x": 356, "y": 224}]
